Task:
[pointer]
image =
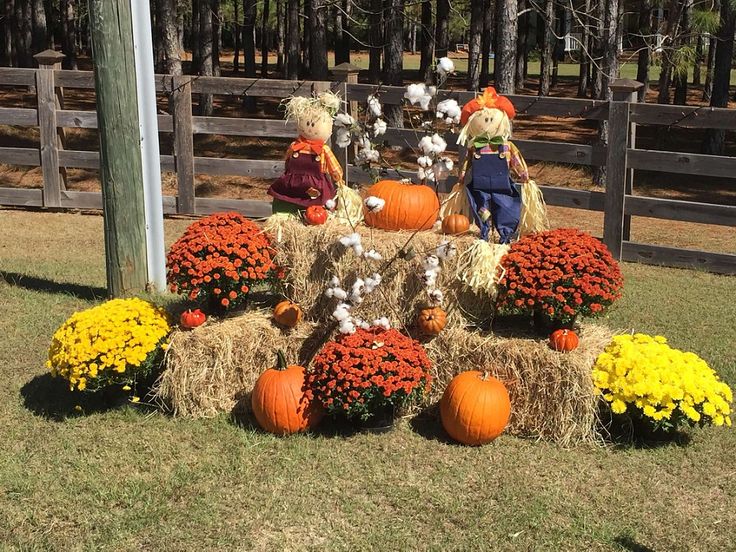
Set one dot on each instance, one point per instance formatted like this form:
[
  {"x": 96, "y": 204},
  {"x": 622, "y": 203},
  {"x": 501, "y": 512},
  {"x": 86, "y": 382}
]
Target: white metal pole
[{"x": 147, "y": 117}]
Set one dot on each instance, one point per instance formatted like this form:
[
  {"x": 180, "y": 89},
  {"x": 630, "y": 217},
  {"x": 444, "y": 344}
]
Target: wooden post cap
[
  {"x": 346, "y": 68},
  {"x": 49, "y": 57},
  {"x": 625, "y": 85}
]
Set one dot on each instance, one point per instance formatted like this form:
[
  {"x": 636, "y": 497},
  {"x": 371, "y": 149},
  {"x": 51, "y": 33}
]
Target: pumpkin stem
[
  {"x": 485, "y": 375},
  {"x": 281, "y": 363}
]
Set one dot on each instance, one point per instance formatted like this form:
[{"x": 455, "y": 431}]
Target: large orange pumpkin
[
  {"x": 408, "y": 206},
  {"x": 475, "y": 408},
  {"x": 278, "y": 400}
]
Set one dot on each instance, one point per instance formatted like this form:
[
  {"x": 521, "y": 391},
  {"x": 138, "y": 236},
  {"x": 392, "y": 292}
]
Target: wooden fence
[{"x": 621, "y": 157}]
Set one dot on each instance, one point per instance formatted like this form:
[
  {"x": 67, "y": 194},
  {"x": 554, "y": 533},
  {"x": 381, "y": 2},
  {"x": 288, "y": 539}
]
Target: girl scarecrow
[
  {"x": 489, "y": 195},
  {"x": 312, "y": 174}
]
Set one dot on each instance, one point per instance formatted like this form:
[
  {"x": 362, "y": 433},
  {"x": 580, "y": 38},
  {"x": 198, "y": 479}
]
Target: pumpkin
[
  {"x": 564, "y": 340},
  {"x": 278, "y": 400},
  {"x": 407, "y": 207},
  {"x": 432, "y": 320},
  {"x": 475, "y": 408},
  {"x": 192, "y": 318},
  {"x": 315, "y": 215},
  {"x": 455, "y": 224},
  {"x": 287, "y": 314}
]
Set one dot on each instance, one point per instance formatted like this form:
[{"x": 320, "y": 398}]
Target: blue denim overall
[{"x": 491, "y": 188}]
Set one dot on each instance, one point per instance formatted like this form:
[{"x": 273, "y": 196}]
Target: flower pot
[
  {"x": 545, "y": 324},
  {"x": 381, "y": 421}
]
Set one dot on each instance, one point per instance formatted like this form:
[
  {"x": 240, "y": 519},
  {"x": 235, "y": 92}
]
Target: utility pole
[{"x": 121, "y": 169}]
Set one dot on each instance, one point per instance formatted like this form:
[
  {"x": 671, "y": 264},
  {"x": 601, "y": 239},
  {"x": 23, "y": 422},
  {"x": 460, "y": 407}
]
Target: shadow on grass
[
  {"x": 628, "y": 543},
  {"x": 427, "y": 424},
  {"x": 50, "y": 398},
  {"x": 623, "y": 432},
  {"x": 88, "y": 293}
]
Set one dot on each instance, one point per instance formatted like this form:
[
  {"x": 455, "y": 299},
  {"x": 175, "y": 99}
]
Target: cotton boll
[
  {"x": 382, "y": 322},
  {"x": 344, "y": 119},
  {"x": 330, "y": 204},
  {"x": 445, "y": 66},
  {"x": 429, "y": 278},
  {"x": 435, "y": 296},
  {"x": 437, "y": 225},
  {"x": 438, "y": 143},
  {"x": 431, "y": 262},
  {"x": 446, "y": 250},
  {"x": 342, "y": 138},
  {"x": 379, "y": 127},
  {"x": 339, "y": 294},
  {"x": 432, "y": 90},
  {"x": 358, "y": 250},
  {"x": 373, "y": 255},
  {"x": 421, "y": 174},
  {"x": 335, "y": 282},
  {"x": 347, "y": 327},
  {"x": 341, "y": 312},
  {"x": 448, "y": 163},
  {"x": 372, "y": 282},
  {"x": 330, "y": 293},
  {"x": 429, "y": 175},
  {"x": 374, "y": 204},
  {"x": 414, "y": 92},
  {"x": 374, "y": 106},
  {"x": 426, "y": 146},
  {"x": 424, "y": 161},
  {"x": 424, "y": 102}
]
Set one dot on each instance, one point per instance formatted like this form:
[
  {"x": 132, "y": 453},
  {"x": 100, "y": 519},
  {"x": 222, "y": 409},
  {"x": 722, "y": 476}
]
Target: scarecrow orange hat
[{"x": 491, "y": 99}]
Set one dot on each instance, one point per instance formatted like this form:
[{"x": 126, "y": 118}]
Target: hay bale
[
  {"x": 552, "y": 395},
  {"x": 313, "y": 256},
  {"x": 209, "y": 368}
]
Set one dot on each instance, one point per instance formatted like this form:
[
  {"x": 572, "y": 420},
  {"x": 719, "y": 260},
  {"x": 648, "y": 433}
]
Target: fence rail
[{"x": 620, "y": 158}]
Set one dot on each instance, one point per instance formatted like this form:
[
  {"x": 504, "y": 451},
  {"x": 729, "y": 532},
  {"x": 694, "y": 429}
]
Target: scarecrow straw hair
[
  {"x": 213, "y": 368},
  {"x": 297, "y": 107},
  {"x": 503, "y": 128}
]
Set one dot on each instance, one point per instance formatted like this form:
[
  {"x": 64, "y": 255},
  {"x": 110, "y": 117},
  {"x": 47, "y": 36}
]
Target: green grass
[{"x": 137, "y": 479}]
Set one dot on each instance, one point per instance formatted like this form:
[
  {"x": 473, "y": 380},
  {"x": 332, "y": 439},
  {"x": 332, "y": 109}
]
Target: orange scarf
[{"x": 315, "y": 146}]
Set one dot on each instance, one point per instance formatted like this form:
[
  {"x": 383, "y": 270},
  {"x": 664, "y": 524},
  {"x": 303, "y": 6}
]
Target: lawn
[{"x": 137, "y": 479}]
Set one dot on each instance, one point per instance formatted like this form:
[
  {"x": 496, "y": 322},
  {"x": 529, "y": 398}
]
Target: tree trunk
[
  {"x": 24, "y": 35},
  {"x": 698, "y": 61},
  {"x": 292, "y": 40},
  {"x": 167, "y": 32},
  {"x": 506, "y": 55},
  {"x": 206, "y": 39},
  {"x": 236, "y": 38},
  {"x": 442, "y": 29},
  {"x": 121, "y": 169},
  {"x": 318, "y": 40},
  {"x": 306, "y": 39},
  {"x": 547, "y": 47},
  {"x": 427, "y": 40},
  {"x": 665, "y": 75},
  {"x": 684, "y": 41},
  {"x": 249, "y": 43},
  {"x": 585, "y": 53},
  {"x": 474, "y": 45},
  {"x": 393, "y": 58},
  {"x": 642, "y": 65},
  {"x": 40, "y": 30},
  {"x": 486, "y": 42},
  {"x": 343, "y": 13},
  {"x": 609, "y": 72},
  {"x": 714, "y": 142},
  {"x": 598, "y": 50},
  {"x": 708, "y": 86},
  {"x": 375, "y": 36},
  {"x": 264, "y": 38},
  {"x": 8, "y": 15},
  {"x": 194, "y": 33},
  {"x": 216, "y": 36},
  {"x": 280, "y": 28},
  {"x": 521, "y": 47}
]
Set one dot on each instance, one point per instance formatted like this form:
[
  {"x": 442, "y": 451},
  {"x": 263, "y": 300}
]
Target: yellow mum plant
[
  {"x": 115, "y": 343},
  {"x": 644, "y": 376}
]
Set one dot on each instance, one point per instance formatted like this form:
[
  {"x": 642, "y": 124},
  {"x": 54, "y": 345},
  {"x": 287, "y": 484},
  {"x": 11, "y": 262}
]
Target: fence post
[
  {"x": 346, "y": 73},
  {"x": 48, "y": 61},
  {"x": 181, "y": 100},
  {"x": 618, "y": 177}
]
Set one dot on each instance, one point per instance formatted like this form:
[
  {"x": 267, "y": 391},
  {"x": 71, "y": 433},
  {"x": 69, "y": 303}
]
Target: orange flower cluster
[
  {"x": 219, "y": 258},
  {"x": 561, "y": 274},
  {"x": 362, "y": 373}
]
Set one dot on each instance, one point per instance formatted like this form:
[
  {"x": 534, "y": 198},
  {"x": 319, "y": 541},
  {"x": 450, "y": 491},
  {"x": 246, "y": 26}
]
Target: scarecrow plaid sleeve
[
  {"x": 517, "y": 165},
  {"x": 331, "y": 166}
]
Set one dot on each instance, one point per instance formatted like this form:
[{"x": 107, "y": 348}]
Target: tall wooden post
[
  {"x": 121, "y": 171},
  {"x": 618, "y": 176}
]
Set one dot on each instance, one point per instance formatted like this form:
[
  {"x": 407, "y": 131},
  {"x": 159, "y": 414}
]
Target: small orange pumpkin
[
  {"x": 432, "y": 320},
  {"x": 408, "y": 206},
  {"x": 455, "y": 224},
  {"x": 287, "y": 314},
  {"x": 564, "y": 340},
  {"x": 279, "y": 403},
  {"x": 475, "y": 408}
]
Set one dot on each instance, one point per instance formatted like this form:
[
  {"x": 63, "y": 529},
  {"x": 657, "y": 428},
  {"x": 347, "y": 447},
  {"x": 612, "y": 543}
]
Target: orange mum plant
[
  {"x": 365, "y": 373},
  {"x": 559, "y": 274},
  {"x": 219, "y": 259}
]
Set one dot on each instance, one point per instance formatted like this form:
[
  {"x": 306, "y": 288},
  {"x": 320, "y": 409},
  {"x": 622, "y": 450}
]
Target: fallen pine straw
[{"x": 210, "y": 369}]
